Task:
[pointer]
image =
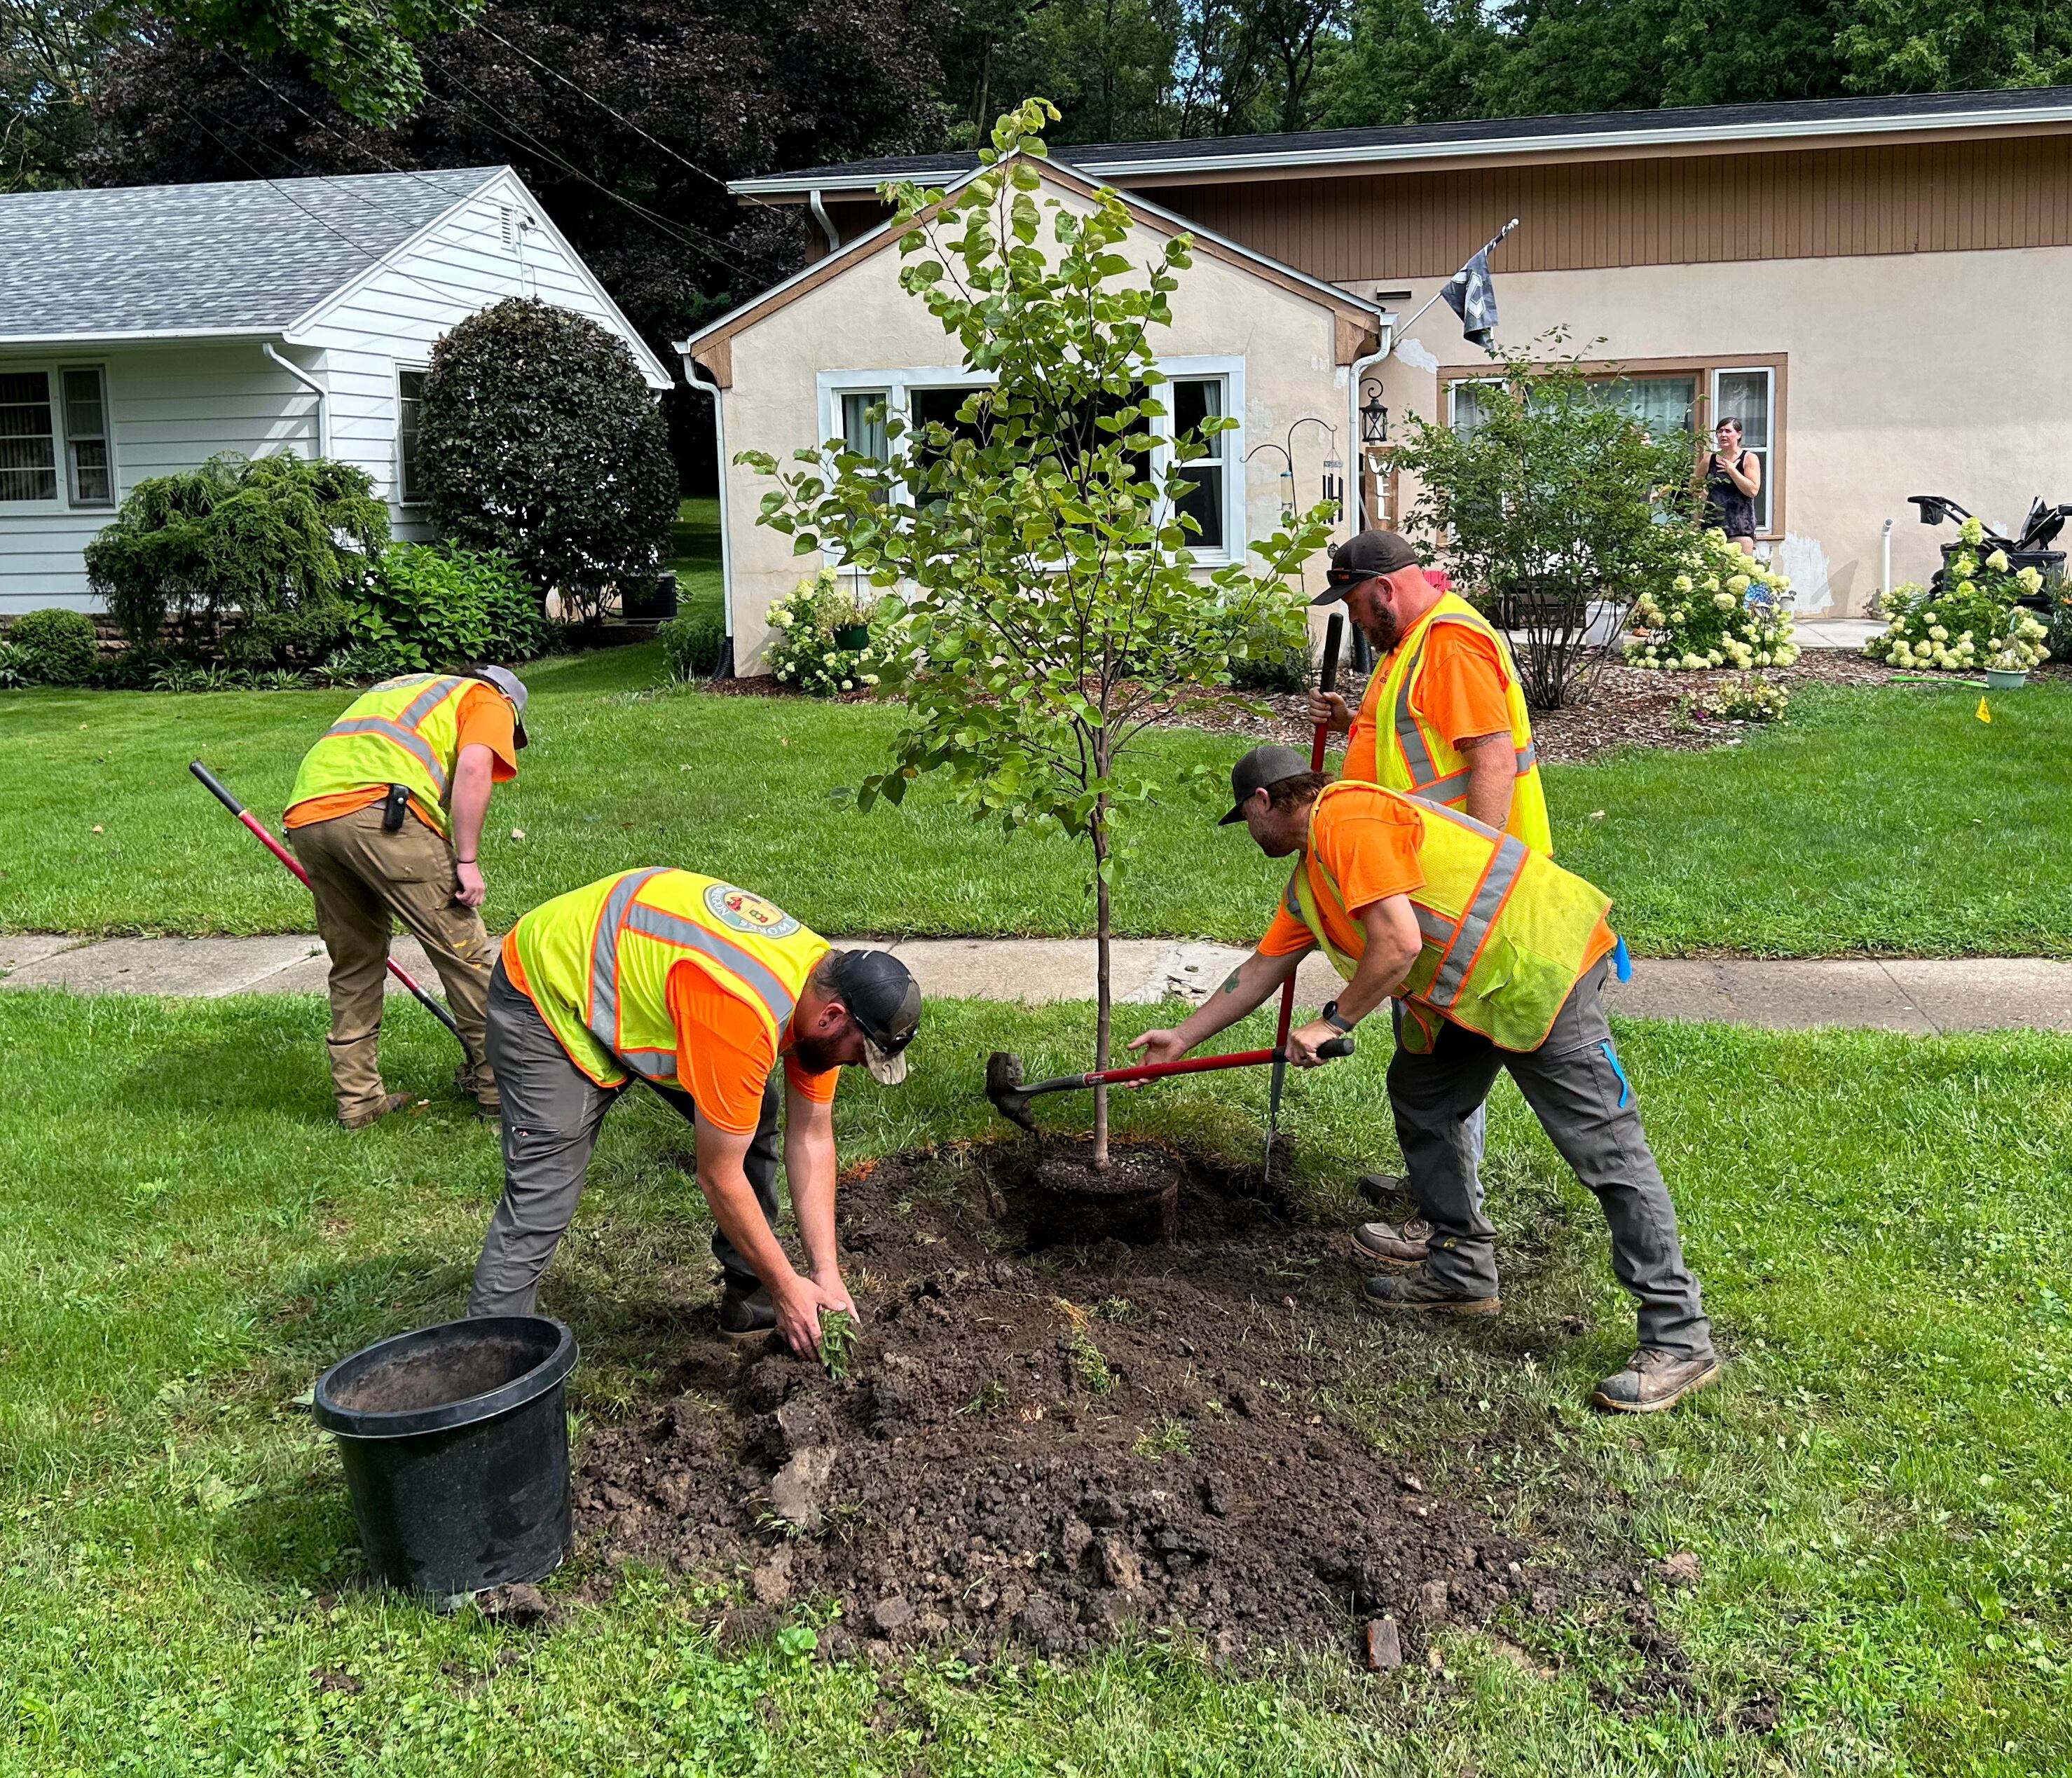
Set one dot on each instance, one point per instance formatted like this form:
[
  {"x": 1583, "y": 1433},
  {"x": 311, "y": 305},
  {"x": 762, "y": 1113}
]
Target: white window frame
[
  {"x": 898, "y": 385},
  {"x": 52, "y": 370},
  {"x": 1766, "y": 454},
  {"x": 404, "y": 496}
]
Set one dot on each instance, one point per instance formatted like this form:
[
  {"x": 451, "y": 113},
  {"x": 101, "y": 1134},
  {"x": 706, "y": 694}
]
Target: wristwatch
[{"x": 1330, "y": 1017}]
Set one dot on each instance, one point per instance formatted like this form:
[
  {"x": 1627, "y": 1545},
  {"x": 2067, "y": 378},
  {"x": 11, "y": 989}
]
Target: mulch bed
[
  {"x": 1625, "y": 707},
  {"x": 1043, "y": 1447}
]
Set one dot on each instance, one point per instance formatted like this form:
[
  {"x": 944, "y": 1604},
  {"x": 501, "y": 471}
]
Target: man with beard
[
  {"x": 700, "y": 989},
  {"x": 1444, "y": 719}
]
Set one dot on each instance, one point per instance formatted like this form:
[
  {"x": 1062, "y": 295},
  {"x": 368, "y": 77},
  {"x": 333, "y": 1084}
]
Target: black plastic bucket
[{"x": 455, "y": 1443}]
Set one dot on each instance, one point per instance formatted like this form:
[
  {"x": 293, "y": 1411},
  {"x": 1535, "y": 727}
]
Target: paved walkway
[{"x": 1921, "y": 996}]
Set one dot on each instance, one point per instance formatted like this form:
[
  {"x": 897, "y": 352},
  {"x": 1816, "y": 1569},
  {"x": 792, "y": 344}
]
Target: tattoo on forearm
[{"x": 1230, "y": 981}]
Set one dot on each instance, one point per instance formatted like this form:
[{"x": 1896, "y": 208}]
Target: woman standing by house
[{"x": 1733, "y": 478}]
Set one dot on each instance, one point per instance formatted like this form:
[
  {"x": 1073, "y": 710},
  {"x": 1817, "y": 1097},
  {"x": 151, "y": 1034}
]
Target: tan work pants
[{"x": 362, "y": 878}]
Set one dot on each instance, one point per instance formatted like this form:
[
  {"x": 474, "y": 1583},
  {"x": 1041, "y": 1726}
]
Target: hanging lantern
[{"x": 1373, "y": 416}]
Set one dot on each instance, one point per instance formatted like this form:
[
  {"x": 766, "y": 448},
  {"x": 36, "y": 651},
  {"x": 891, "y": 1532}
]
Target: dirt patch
[
  {"x": 458, "y": 1367},
  {"x": 1049, "y": 1433}
]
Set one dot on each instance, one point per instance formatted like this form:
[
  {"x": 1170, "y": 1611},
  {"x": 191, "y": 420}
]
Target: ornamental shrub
[
  {"x": 1971, "y": 623},
  {"x": 1746, "y": 697},
  {"x": 804, "y": 653},
  {"x": 55, "y": 647},
  {"x": 692, "y": 640},
  {"x": 540, "y": 437},
  {"x": 13, "y": 667},
  {"x": 1720, "y": 609},
  {"x": 429, "y": 607},
  {"x": 270, "y": 545},
  {"x": 1270, "y": 647}
]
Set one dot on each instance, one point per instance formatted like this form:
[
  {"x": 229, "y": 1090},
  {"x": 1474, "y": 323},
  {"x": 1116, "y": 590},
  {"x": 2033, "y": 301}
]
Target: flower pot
[
  {"x": 854, "y": 637},
  {"x": 2005, "y": 678}
]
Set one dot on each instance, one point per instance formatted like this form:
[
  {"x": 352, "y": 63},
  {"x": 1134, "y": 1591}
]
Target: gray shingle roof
[{"x": 242, "y": 254}]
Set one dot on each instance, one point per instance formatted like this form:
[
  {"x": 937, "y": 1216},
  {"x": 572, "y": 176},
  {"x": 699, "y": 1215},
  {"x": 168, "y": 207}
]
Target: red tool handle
[
  {"x": 1335, "y": 1048},
  {"x": 1327, "y": 682},
  {"x": 221, "y": 792}
]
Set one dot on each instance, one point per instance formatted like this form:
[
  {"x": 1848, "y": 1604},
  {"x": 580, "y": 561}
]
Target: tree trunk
[{"x": 1103, "y": 1009}]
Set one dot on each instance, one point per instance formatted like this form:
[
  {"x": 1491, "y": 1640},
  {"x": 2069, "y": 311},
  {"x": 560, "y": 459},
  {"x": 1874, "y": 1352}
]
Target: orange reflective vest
[
  {"x": 1412, "y": 756},
  {"x": 1506, "y": 932},
  {"x": 404, "y": 731},
  {"x": 597, "y": 961}
]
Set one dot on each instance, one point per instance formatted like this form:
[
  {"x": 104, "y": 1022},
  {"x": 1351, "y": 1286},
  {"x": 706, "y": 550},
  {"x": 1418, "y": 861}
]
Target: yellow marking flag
[{"x": 1985, "y": 715}]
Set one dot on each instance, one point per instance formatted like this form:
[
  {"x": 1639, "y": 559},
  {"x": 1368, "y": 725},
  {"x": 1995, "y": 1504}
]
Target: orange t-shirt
[
  {"x": 485, "y": 719},
  {"x": 1369, "y": 842},
  {"x": 724, "y": 1055},
  {"x": 1460, "y": 692}
]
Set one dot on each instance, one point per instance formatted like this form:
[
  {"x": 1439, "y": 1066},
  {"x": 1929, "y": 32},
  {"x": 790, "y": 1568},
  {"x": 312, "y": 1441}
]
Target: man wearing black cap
[{"x": 703, "y": 990}]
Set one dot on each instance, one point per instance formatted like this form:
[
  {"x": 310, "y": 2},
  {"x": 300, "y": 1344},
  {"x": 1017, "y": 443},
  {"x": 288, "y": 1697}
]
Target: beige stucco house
[
  {"x": 810, "y": 359},
  {"x": 1877, "y": 287}
]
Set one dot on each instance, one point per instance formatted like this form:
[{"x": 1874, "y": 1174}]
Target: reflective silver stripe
[
  {"x": 1528, "y": 756},
  {"x": 1475, "y": 921},
  {"x": 1290, "y": 900},
  {"x": 1432, "y": 926},
  {"x": 1443, "y": 790},
  {"x": 672, "y": 929},
  {"x": 649, "y": 1065},
  {"x": 604, "y": 955},
  {"x": 408, "y": 740},
  {"x": 423, "y": 704}
]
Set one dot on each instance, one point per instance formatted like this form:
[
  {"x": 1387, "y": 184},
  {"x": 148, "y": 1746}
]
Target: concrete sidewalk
[{"x": 1923, "y": 997}]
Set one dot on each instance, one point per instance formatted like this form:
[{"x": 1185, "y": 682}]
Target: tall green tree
[
  {"x": 52, "y": 55},
  {"x": 1107, "y": 63}
]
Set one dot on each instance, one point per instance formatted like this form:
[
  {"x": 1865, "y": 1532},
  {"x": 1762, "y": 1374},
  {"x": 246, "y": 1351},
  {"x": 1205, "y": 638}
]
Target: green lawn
[
  {"x": 1877, "y": 1491},
  {"x": 1884, "y": 820}
]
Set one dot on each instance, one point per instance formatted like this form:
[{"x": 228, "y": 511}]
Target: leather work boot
[
  {"x": 1413, "y": 1292},
  {"x": 390, "y": 1101},
  {"x": 745, "y": 1313},
  {"x": 487, "y": 1100},
  {"x": 1398, "y": 1245},
  {"x": 1382, "y": 1189},
  {"x": 1653, "y": 1380}
]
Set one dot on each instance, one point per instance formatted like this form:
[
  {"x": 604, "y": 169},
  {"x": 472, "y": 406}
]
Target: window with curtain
[
  {"x": 409, "y": 414},
  {"x": 87, "y": 463},
  {"x": 28, "y": 446},
  {"x": 1192, "y": 400}
]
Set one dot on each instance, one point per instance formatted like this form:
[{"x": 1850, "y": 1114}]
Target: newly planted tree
[{"x": 1044, "y": 539}]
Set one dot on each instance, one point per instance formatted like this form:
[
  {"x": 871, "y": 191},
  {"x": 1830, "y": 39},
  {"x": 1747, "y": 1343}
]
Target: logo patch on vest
[{"x": 747, "y": 913}]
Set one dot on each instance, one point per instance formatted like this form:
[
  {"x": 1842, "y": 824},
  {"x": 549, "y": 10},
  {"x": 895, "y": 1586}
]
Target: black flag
[{"x": 1469, "y": 295}]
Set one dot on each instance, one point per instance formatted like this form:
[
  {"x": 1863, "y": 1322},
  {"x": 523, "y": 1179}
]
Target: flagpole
[{"x": 1495, "y": 242}]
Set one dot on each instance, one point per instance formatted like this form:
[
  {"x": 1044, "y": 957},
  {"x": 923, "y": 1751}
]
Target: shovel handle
[{"x": 1333, "y": 1051}]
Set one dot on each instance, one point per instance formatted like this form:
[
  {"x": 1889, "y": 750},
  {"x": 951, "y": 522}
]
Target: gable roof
[
  {"x": 1672, "y": 127},
  {"x": 238, "y": 257},
  {"x": 1356, "y": 321}
]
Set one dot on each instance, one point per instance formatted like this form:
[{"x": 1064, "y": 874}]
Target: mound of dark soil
[{"x": 1039, "y": 1444}]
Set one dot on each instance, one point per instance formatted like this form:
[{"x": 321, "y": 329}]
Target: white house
[{"x": 144, "y": 330}]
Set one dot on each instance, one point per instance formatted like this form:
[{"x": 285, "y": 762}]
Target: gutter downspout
[
  {"x": 724, "y": 669},
  {"x": 820, "y": 215},
  {"x": 315, "y": 387},
  {"x": 1884, "y": 563},
  {"x": 1360, "y": 367}
]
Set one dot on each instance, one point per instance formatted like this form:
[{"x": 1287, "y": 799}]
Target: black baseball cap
[
  {"x": 1263, "y": 766},
  {"x": 885, "y": 1001},
  {"x": 1361, "y": 558}
]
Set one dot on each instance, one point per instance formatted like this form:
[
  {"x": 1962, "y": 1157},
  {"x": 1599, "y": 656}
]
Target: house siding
[
  {"x": 169, "y": 408},
  {"x": 1699, "y": 209}
]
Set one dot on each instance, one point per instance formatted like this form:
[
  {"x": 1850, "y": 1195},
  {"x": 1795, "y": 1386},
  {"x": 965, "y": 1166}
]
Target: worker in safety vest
[
  {"x": 1494, "y": 956},
  {"x": 1444, "y": 719},
  {"x": 700, "y": 989},
  {"x": 386, "y": 818}
]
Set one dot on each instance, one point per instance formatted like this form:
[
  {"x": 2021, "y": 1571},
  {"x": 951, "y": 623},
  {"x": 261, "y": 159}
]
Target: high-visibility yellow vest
[
  {"x": 1507, "y": 933},
  {"x": 597, "y": 962},
  {"x": 1410, "y": 756},
  {"x": 404, "y": 731}
]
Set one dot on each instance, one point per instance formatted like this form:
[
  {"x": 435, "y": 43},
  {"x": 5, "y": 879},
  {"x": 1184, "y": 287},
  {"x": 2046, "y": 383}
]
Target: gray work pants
[
  {"x": 552, "y": 1112},
  {"x": 1583, "y": 1100}
]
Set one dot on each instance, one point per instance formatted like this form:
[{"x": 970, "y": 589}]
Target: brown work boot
[
  {"x": 375, "y": 1113},
  {"x": 1414, "y": 1293},
  {"x": 1398, "y": 1245},
  {"x": 746, "y": 1312},
  {"x": 1653, "y": 1380}
]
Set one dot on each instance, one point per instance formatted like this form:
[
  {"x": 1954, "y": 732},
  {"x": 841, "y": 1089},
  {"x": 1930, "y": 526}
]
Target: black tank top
[{"x": 1726, "y": 506}]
